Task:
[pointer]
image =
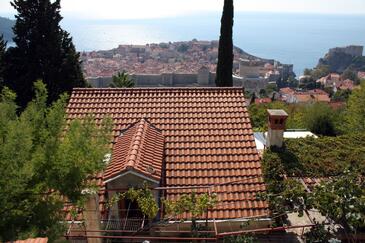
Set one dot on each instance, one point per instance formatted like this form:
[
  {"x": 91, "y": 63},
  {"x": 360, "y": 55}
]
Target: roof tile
[{"x": 206, "y": 132}]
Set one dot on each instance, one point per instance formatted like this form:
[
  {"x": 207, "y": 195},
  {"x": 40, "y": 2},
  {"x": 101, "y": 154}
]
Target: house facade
[{"x": 179, "y": 140}]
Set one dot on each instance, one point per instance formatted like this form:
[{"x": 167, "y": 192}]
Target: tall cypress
[
  {"x": 225, "y": 53},
  {"x": 2, "y": 62},
  {"x": 43, "y": 51}
]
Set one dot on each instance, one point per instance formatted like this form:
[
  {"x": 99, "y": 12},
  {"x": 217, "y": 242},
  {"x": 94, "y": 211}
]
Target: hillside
[
  {"x": 6, "y": 28},
  {"x": 341, "y": 58},
  {"x": 157, "y": 58}
]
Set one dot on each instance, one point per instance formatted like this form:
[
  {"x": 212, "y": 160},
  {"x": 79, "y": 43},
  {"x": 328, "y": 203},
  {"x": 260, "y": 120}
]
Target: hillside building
[{"x": 178, "y": 140}]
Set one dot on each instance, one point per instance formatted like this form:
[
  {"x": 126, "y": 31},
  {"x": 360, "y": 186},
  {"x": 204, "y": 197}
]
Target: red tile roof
[
  {"x": 361, "y": 75},
  {"x": 208, "y": 139},
  {"x": 140, "y": 148},
  {"x": 286, "y": 90},
  {"x": 345, "y": 85},
  {"x": 262, "y": 101}
]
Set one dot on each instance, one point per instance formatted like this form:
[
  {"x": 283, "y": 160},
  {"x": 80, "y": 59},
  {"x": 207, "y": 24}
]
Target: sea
[{"x": 292, "y": 38}]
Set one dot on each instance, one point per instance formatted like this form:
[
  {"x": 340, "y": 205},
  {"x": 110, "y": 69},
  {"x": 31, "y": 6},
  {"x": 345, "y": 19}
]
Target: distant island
[
  {"x": 184, "y": 63},
  {"x": 6, "y": 26}
]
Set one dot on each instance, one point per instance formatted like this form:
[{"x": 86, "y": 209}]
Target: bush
[{"x": 319, "y": 119}]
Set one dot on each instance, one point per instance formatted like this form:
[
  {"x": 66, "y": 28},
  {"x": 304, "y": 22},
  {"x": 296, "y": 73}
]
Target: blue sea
[{"x": 299, "y": 39}]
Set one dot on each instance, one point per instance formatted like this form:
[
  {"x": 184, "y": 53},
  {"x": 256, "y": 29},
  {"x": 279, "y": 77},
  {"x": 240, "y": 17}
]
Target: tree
[
  {"x": 253, "y": 98},
  {"x": 320, "y": 71},
  {"x": 308, "y": 83},
  {"x": 318, "y": 233},
  {"x": 41, "y": 163},
  {"x": 342, "y": 199},
  {"x": 319, "y": 119},
  {"x": 122, "y": 80},
  {"x": 350, "y": 74},
  {"x": 225, "y": 52},
  {"x": 341, "y": 95},
  {"x": 144, "y": 198},
  {"x": 2, "y": 62},
  {"x": 355, "y": 113},
  {"x": 263, "y": 93},
  {"x": 43, "y": 51}
]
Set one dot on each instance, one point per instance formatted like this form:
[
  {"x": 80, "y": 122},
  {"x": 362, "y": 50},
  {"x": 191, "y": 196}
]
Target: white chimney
[{"x": 276, "y": 127}]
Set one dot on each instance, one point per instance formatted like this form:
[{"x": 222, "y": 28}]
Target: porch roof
[{"x": 139, "y": 148}]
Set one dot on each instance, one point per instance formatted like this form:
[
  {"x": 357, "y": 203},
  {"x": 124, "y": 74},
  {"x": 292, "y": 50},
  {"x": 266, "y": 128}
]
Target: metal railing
[{"x": 128, "y": 224}]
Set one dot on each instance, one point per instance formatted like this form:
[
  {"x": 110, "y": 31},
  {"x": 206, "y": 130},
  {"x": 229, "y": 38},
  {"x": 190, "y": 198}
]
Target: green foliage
[
  {"x": 258, "y": 115},
  {"x": 323, "y": 156},
  {"x": 239, "y": 239},
  {"x": 263, "y": 93},
  {"x": 309, "y": 83},
  {"x": 355, "y": 113},
  {"x": 319, "y": 119},
  {"x": 342, "y": 199},
  {"x": 163, "y": 45},
  {"x": 318, "y": 72},
  {"x": 225, "y": 51},
  {"x": 40, "y": 163},
  {"x": 341, "y": 95},
  {"x": 271, "y": 88},
  {"x": 192, "y": 203},
  {"x": 144, "y": 198},
  {"x": 318, "y": 233},
  {"x": 122, "y": 80},
  {"x": 350, "y": 74},
  {"x": 283, "y": 195},
  {"x": 183, "y": 47},
  {"x": 43, "y": 51}
]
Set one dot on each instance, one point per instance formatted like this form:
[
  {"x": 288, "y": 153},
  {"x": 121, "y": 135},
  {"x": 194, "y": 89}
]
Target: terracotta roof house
[
  {"x": 361, "y": 75},
  {"x": 286, "y": 90},
  {"x": 315, "y": 95},
  {"x": 259, "y": 101},
  {"x": 180, "y": 139},
  {"x": 329, "y": 80},
  {"x": 344, "y": 85}
]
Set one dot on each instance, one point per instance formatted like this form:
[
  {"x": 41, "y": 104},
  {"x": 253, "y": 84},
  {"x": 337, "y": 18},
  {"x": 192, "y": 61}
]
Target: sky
[{"x": 145, "y": 9}]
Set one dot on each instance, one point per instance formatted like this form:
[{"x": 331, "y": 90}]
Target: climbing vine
[
  {"x": 191, "y": 203},
  {"x": 144, "y": 198}
]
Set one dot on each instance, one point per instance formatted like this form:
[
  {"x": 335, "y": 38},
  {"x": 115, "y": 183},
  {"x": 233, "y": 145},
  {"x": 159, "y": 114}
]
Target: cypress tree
[
  {"x": 2, "y": 63},
  {"x": 43, "y": 51},
  {"x": 225, "y": 53}
]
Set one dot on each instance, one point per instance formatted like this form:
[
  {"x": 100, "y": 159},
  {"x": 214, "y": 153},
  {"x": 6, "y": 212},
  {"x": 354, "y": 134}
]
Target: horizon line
[{"x": 76, "y": 15}]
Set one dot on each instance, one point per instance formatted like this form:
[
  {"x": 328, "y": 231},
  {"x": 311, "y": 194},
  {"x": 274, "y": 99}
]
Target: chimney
[{"x": 276, "y": 127}]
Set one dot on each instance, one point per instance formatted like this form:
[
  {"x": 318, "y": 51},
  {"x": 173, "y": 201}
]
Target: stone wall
[
  {"x": 181, "y": 79},
  {"x": 202, "y": 78},
  {"x": 355, "y": 51}
]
